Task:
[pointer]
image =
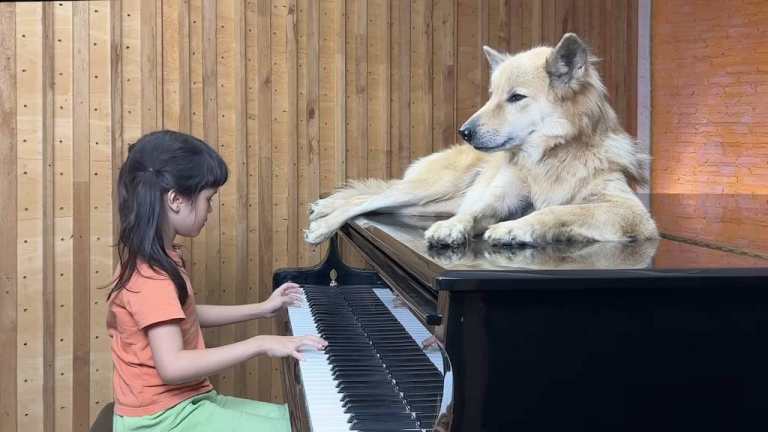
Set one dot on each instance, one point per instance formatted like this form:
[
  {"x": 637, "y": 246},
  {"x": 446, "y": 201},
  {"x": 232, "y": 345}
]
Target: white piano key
[{"x": 323, "y": 399}]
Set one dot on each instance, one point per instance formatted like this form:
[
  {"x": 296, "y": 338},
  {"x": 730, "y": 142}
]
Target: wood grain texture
[
  {"x": 443, "y": 75},
  {"x": 8, "y": 219},
  {"x": 421, "y": 78},
  {"x": 299, "y": 97},
  {"x": 100, "y": 185},
  {"x": 81, "y": 218},
  {"x": 63, "y": 209},
  {"x": 48, "y": 218},
  {"x": 308, "y": 126}
]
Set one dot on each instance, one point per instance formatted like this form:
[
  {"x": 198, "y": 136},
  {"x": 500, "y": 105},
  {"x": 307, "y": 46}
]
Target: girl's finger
[
  {"x": 317, "y": 340},
  {"x": 297, "y": 355},
  {"x": 292, "y": 290}
]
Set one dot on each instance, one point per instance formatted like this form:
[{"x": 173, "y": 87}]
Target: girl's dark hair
[{"x": 157, "y": 163}]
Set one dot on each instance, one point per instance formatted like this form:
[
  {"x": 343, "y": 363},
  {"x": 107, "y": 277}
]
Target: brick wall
[{"x": 709, "y": 96}]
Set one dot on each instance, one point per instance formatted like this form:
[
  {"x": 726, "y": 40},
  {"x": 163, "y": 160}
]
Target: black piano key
[{"x": 386, "y": 381}]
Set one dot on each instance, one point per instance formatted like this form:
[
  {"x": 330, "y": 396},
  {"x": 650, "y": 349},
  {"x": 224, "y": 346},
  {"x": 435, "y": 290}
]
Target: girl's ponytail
[{"x": 157, "y": 163}]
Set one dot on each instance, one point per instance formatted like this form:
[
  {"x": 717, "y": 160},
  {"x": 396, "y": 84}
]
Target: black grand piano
[{"x": 654, "y": 335}]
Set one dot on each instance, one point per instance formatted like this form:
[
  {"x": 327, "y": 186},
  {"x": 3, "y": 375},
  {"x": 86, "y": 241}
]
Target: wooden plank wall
[{"x": 297, "y": 96}]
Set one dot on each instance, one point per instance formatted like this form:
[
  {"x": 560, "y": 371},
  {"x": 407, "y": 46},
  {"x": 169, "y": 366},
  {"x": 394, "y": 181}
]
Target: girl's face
[{"x": 188, "y": 216}]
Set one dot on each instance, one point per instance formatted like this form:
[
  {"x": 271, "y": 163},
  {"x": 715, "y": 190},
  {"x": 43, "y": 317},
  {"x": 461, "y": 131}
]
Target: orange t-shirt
[{"x": 149, "y": 298}]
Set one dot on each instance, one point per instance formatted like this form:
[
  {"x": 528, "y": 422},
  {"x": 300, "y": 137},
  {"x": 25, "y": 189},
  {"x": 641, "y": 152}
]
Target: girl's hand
[
  {"x": 288, "y": 294},
  {"x": 284, "y": 346}
]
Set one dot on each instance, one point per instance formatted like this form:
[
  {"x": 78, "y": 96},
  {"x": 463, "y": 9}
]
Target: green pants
[{"x": 210, "y": 412}]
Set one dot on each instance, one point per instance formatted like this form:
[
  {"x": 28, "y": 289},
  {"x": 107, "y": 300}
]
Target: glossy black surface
[
  {"x": 404, "y": 235},
  {"x": 644, "y": 357},
  {"x": 660, "y": 335}
]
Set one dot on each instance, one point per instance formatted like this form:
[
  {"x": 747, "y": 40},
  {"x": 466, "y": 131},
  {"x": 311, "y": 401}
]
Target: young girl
[{"x": 161, "y": 362}]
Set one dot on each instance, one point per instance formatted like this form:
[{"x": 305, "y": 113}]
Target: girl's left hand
[{"x": 288, "y": 294}]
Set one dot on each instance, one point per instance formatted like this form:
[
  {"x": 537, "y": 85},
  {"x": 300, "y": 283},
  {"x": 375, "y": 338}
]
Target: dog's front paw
[
  {"x": 318, "y": 232},
  {"x": 322, "y": 208},
  {"x": 509, "y": 233},
  {"x": 448, "y": 232}
]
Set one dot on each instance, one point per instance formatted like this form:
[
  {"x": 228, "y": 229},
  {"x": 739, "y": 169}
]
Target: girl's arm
[
  {"x": 216, "y": 315},
  {"x": 175, "y": 365}
]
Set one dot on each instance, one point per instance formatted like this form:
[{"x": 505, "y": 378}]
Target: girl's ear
[{"x": 175, "y": 201}]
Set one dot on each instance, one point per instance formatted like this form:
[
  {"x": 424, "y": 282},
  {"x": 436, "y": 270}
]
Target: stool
[{"x": 103, "y": 422}]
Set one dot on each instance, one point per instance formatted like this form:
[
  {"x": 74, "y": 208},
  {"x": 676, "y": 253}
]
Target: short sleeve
[{"x": 151, "y": 298}]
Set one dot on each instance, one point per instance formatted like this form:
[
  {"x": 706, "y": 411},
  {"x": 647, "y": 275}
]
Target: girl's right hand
[{"x": 283, "y": 346}]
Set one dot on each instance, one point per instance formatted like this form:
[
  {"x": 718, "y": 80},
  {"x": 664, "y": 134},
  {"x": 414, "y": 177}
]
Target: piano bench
[{"x": 103, "y": 422}]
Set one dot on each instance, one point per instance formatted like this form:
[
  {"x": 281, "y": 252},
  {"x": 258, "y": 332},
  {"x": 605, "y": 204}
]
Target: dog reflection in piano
[{"x": 546, "y": 140}]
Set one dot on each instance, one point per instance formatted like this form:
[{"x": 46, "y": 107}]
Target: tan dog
[{"x": 547, "y": 137}]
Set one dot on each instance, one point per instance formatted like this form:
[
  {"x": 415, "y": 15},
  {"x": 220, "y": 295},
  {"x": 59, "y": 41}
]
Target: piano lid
[{"x": 681, "y": 252}]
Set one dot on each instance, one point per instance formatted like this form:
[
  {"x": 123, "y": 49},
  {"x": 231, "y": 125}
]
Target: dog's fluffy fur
[{"x": 546, "y": 138}]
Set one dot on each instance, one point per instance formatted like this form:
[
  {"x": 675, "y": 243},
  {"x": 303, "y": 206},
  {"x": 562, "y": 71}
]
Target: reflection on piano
[{"x": 660, "y": 335}]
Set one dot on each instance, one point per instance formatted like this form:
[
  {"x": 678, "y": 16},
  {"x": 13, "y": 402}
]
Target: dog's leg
[
  {"x": 440, "y": 176},
  {"x": 356, "y": 193},
  {"x": 402, "y": 193},
  {"x": 618, "y": 220},
  {"x": 498, "y": 192}
]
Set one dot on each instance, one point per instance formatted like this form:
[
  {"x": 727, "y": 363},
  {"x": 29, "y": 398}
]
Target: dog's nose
[{"x": 466, "y": 133}]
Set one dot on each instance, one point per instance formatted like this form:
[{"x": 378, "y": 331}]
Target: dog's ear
[
  {"x": 494, "y": 57},
  {"x": 568, "y": 62}
]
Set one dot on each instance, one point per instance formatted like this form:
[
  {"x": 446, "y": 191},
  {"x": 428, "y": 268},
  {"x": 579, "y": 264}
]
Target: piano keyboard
[{"x": 373, "y": 376}]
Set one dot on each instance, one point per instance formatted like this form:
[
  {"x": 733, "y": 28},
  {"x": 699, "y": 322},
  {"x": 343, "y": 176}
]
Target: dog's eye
[{"x": 515, "y": 97}]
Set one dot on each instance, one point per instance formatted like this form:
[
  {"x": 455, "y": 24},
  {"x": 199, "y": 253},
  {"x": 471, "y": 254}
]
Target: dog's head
[{"x": 535, "y": 97}]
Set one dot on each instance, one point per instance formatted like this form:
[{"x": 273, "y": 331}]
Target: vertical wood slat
[
  {"x": 630, "y": 68},
  {"x": 531, "y": 17},
  {"x": 148, "y": 46},
  {"x": 116, "y": 110},
  {"x": 329, "y": 34},
  {"x": 48, "y": 218},
  {"x": 421, "y": 78},
  {"x": 171, "y": 66},
  {"x": 8, "y": 219},
  {"x": 444, "y": 75},
  {"x": 30, "y": 190},
  {"x": 378, "y": 75},
  {"x": 63, "y": 208},
  {"x": 340, "y": 115},
  {"x": 81, "y": 218},
  {"x": 499, "y": 28},
  {"x": 100, "y": 189},
  {"x": 484, "y": 39},
  {"x": 469, "y": 93},
  {"x": 400, "y": 87},
  {"x": 131, "y": 63},
  {"x": 516, "y": 25},
  {"x": 357, "y": 87},
  {"x": 308, "y": 120},
  {"x": 356, "y": 103}
]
